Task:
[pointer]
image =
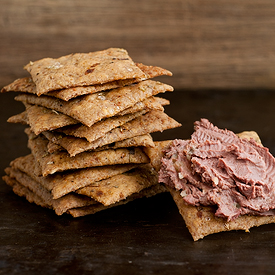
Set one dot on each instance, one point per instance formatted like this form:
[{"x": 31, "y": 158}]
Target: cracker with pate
[
  {"x": 95, "y": 107},
  {"x": 201, "y": 220}
]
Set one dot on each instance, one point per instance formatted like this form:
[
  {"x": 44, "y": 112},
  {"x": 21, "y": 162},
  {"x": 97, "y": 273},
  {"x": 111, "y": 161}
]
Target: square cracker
[
  {"x": 27, "y": 85},
  {"x": 100, "y": 128},
  {"x": 43, "y": 119},
  {"x": 82, "y": 69},
  {"x": 92, "y": 108},
  {"x": 61, "y": 161},
  {"x": 60, "y": 205},
  {"x": 148, "y": 123},
  {"x": 201, "y": 221},
  {"x": 119, "y": 187},
  {"x": 61, "y": 184}
]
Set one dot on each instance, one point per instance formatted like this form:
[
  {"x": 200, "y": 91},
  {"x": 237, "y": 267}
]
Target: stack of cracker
[{"x": 88, "y": 119}]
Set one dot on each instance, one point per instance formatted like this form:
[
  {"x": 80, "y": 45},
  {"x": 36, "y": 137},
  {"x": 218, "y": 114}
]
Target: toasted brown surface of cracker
[
  {"x": 43, "y": 119},
  {"x": 201, "y": 221},
  {"x": 92, "y": 108},
  {"x": 119, "y": 187},
  {"x": 28, "y": 86},
  {"x": 100, "y": 128},
  {"x": 61, "y": 205},
  {"x": 148, "y": 123},
  {"x": 61, "y": 184},
  {"x": 61, "y": 161},
  {"x": 82, "y": 69}
]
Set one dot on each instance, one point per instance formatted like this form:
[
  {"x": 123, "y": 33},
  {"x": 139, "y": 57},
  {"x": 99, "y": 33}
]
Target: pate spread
[{"x": 216, "y": 167}]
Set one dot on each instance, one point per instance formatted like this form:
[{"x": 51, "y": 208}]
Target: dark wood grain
[
  {"x": 147, "y": 236},
  {"x": 206, "y": 44}
]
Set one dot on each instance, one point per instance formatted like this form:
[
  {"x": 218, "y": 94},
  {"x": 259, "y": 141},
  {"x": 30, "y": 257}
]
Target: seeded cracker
[
  {"x": 92, "y": 108},
  {"x": 119, "y": 187},
  {"x": 27, "y": 85},
  {"x": 61, "y": 161},
  {"x": 60, "y": 205},
  {"x": 148, "y": 123},
  {"x": 61, "y": 184},
  {"x": 82, "y": 69},
  {"x": 201, "y": 221},
  {"x": 90, "y": 117}
]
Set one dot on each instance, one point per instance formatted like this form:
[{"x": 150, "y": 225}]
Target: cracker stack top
[{"x": 89, "y": 117}]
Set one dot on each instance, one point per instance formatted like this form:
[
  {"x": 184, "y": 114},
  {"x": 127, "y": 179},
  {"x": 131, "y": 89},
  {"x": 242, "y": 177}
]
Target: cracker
[
  {"x": 145, "y": 193},
  {"x": 100, "y": 128},
  {"x": 201, "y": 221},
  {"x": 21, "y": 118},
  {"x": 148, "y": 123},
  {"x": 60, "y": 205},
  {"x": 82, "y": 69},
  {"x": 138, "y": 141},
  {"x": 27, "y": 85},
  {"x": 61, "y": 184},
  {"x": 61, "y": 161},
  {"x": 156, "y": 153},
  {"x": 119, "y": 187},
  {"x": 22, "y": 191},
  {"x": 92, "y": 108},
  {"x": 44, "y": 119}
]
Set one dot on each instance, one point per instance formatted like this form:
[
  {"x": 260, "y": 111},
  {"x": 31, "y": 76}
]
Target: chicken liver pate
[{"x": 216, "y": 167}]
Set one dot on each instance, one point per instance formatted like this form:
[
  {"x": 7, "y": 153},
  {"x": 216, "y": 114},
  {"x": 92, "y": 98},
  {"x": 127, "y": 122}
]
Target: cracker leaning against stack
[{"x": 88, "y": 119}]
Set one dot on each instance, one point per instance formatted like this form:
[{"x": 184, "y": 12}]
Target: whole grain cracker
[
  {"x": 138, "y": 141},
  {"x": 21, "y": 118},
  {"x": 148, "y": 123},
  {"x": 119, "y": 187},
  {"x": 92, "y": 108},
  {"x": 23, "y": 191},
  {"x": 43, "y": 119},
  {"x": 61, "y": 161},
  {"x": 27, "y": 85},
  {"x": 60, "y": 205},
  {"x": 100, "y": 128},
  {"x": 82, "y": 69},
  {"x": 201, "y": 221},
  {"x": 61, "y": 184}
]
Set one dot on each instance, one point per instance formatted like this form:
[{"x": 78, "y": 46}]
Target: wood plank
[{"x": 206, "y": 44}]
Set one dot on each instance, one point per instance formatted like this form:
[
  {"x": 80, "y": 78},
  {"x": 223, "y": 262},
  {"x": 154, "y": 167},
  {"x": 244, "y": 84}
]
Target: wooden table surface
[{"x": 147, "y": 236}]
